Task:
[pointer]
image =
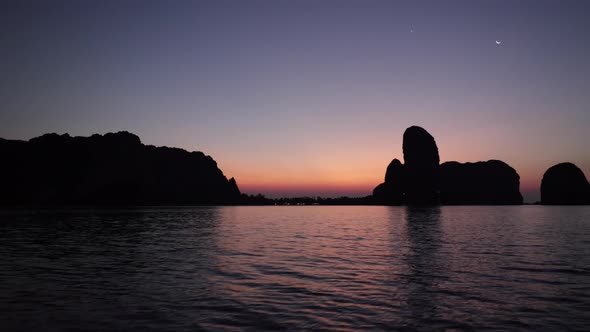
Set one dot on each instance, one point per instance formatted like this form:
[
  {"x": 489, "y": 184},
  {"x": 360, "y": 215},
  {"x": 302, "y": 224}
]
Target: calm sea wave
[{"x": 295, "y": 268}]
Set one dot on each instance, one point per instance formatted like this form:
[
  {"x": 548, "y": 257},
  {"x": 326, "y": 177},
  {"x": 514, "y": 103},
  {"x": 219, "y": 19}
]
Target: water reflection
[
  {"x": 114, "y": 268},
  {"x": 425, "y": 266},
  {"x": 295, "y": 268}
]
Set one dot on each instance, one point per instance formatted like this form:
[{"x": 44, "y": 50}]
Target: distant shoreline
[{"x": 118, "y": 170}]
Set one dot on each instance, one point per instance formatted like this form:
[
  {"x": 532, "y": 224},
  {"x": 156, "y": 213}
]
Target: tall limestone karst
[{"x": 421, "y": 167}]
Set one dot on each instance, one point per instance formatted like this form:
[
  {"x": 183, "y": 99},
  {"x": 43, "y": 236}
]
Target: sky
[{"x": 306, "y": 97}]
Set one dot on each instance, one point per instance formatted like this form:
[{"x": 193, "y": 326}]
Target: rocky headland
[{"x": 110, "y": 169}]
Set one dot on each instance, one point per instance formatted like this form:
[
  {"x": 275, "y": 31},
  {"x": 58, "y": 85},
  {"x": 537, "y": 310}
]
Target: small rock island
[
  {"x": 565, "y": 184},
  {"x": 110, "y": 169}
]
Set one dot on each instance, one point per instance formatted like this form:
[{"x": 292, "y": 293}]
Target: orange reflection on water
[{"x": 284, "y": 250}]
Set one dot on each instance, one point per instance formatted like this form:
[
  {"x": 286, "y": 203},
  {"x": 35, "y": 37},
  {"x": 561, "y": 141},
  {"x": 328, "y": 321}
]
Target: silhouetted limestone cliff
[
  {"x": 490, "y": 182},
  {"x": 422, "y": 181},
  {"x": 391, "y": 192},
  {"x": 112, "y": 169},
  {"x": 421, "y": 166},
  {"x": 565, "y": 184}
]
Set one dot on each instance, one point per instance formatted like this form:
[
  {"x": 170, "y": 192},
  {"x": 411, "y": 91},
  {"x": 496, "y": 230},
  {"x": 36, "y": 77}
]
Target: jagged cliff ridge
[
  {"x": 565, "y": 184},
  {"x": 421, "y": 180},
  {"x": 112, "y": 169}
]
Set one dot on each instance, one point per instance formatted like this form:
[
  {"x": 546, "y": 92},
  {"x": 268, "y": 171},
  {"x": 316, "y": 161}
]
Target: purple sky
[{"x": 306, "y": 97}]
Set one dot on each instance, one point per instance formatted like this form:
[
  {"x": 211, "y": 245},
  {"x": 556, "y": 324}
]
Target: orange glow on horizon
[
  {"x": 355, "y": 165},
  {"x": 346, "y": 181}
]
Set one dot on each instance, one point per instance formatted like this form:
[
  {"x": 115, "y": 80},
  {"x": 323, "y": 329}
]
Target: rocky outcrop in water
[
  {"x": 112, "y": 169},
  {"x": 565, "y": 184},
  {"x": 391, "y": 192},
  {"x": 421, "y": 167},
  {"x": 490, "y": 182},
  {"x": 422, "y": 181}
]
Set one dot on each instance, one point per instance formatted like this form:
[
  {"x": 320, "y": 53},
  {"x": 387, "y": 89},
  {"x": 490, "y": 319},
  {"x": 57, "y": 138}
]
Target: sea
[{"x": 295, "y": 268}]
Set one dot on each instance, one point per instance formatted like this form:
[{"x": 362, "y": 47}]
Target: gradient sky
[{"x": 306, "y": 97}]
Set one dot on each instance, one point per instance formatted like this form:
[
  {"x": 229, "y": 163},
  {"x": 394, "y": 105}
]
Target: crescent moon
[{"x": 498, "y": 42}]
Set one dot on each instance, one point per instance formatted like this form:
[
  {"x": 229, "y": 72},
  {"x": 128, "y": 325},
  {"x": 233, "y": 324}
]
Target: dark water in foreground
[{"x": 296, "y": 268}]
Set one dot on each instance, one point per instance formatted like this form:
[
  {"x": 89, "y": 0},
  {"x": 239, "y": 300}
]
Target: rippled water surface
[{"x": 295, "y": 268}]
